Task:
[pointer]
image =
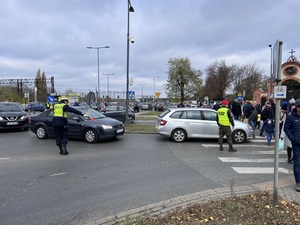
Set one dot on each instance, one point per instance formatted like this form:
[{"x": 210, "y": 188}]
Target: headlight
[
  {"x": 105, "y": 127},
  {"x": 24, "y": 117},
  {"x": 249, "y": 127},
  {"x": 1, "y": 118}
]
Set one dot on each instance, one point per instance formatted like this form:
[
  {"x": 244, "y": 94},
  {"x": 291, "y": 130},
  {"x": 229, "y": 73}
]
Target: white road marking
[
  {"x": 237, "y": 146},
  {"x": 259, "y": 170},
  {"x": 4, "y": 158},
  {"x": 239, "y": 159},
  {"x": 57, "y": 174}
]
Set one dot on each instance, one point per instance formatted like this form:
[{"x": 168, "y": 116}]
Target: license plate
[
  {"x": 119, "y": 130},
  {"x": 12, "y": 123}
]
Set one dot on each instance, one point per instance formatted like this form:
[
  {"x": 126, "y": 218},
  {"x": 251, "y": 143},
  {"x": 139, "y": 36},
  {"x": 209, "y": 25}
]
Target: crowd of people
[{"x": 263, "y": 118}]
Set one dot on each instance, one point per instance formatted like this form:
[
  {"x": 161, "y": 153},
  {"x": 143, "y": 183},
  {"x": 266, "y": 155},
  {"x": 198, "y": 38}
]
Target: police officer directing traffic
[
  {"x": 60, "y": 124},
  {"x": 224, "y": 119}
]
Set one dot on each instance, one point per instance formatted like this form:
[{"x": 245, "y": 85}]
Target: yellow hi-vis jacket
[
  {"x": 223, "y": 118},
  {"x": 59, "y": 111}
]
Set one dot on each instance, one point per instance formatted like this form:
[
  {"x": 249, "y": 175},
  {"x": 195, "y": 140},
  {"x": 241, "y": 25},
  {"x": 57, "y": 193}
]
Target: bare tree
[
  {"x": 218, "y": 80},
  {"x": 223, "y": 80},
  {"x": 249, "y": 78}
]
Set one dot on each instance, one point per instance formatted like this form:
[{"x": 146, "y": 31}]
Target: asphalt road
[{"x": 39, "y": 186}]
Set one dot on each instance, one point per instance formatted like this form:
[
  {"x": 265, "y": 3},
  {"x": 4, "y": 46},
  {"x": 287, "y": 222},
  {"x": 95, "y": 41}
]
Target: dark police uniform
[
  {"x": 60, "y": 124},
  {"x": 224, "y": 119}
]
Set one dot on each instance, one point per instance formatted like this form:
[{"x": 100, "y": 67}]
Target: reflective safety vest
[
  {"x": 223, "y": 116},
  {"x": 58, "y": 110}
]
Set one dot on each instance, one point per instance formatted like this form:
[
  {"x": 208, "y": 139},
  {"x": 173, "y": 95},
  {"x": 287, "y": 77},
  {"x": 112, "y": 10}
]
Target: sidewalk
[{"x": 285, "y": 190}]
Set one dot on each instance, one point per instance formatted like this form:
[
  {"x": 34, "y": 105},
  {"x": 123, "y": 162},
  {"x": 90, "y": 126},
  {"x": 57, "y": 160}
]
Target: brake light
[
  {"x": 30, "y": 120},
  {"x": 162, "y": 122}
]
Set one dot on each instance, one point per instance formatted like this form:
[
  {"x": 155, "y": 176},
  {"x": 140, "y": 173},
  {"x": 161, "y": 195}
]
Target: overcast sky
[{"x": 53, "y": 36}]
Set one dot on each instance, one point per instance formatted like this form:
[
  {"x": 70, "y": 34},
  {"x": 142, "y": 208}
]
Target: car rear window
[
  {"x": 164, "y": 113},
  {"x": 179, "y": 115}
]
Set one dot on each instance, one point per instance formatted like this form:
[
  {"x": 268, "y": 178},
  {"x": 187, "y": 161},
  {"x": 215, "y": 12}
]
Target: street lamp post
[
  {"x": 271, "y": 79},
  {"x": 154, "y": 88},
  {"x": 108, "y": 74},
  {"x": 98, "y": 87},
  {"x": 129, "y": 10},
  {"x": 142, "y": 91}
]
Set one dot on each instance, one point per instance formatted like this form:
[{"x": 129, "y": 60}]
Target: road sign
[
  {"x": 131, "y": 94},
  {"x": 157, "y": 94},
  {"x": 280, "y": 91},
  {"x": 50, "y": 98}
]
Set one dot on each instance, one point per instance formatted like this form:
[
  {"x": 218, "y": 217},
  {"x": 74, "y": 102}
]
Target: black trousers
[{"x": 61, "y": 134}]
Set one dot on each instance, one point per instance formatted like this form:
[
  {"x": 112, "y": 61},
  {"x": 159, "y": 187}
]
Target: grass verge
[
  {"x": 140, "y": 128},
  {"x": 257, "y": 208}
]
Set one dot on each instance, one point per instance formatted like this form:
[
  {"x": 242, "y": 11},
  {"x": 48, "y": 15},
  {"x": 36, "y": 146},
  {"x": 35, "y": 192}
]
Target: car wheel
[
  {"x": 239, "y": 136},
  {"x": 90, "y": 136},
  {"x": 179, "y": 135},
  {"x": 130, "y": 119},
  {"x": 41, "y": 132}
]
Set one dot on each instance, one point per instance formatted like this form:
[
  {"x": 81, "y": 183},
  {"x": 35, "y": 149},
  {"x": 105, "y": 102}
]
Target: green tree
[
  {"x": 183, "y": 81},
  {"x": 41, "y": 85}
]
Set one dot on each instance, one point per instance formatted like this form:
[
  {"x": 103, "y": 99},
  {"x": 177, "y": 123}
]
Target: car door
[
  {"x": 47, "y": 120},
  {"x": 194, "y": 124},
  {"x": 211, "y": 128},
  {"x": 75, "y": 125}
]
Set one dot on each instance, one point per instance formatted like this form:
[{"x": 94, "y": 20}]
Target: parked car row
[
  {"x": 179, "y": 124},
  {"x": 35, "y": 106}
]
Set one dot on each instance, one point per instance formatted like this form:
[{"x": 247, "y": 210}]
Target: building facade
[{"x": 290, "y": 77}]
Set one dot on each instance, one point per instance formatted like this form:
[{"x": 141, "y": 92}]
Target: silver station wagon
[{"x": 180, "y": 124}]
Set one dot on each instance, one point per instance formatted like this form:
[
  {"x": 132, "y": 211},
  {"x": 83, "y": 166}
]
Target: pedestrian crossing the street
[{"x": 255, "y": 157}]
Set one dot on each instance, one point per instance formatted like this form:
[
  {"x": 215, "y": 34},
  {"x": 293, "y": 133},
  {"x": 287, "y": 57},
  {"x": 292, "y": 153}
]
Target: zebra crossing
[{"x": 255, "y": 157}]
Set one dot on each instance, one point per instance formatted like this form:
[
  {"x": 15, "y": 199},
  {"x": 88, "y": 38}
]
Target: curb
[{"x": 285, "y": 190}]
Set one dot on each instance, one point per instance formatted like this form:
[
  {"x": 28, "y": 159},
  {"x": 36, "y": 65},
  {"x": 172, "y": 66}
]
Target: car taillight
[
  {"x": 30, "y": 120},
  {"x": 162, "y": 122}
]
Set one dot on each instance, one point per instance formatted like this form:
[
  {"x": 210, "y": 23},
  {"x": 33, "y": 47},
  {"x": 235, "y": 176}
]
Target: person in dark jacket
[
  {"x": 270, "y": 129},
  {"x": 292, "y": 130},
  {"x": 217, "y": 106},
  {"x": 266, "y": 114},
  {"x": 246, "y": 111},
  {"x": 253, "y": 116},
  {"x": 60, "y": 124},
  {"x": 236, "y": 109}
]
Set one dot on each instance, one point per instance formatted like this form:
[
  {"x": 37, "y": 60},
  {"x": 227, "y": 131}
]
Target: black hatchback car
[
  {"x": 97, "y": 127},
  {"x": 13, "y": 116},
  {"x": 118, "y": 112}
]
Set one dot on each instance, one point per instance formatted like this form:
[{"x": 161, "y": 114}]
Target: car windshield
[
  {"x": 10, "y": 107},
  {"x": 91, "y": 113}
]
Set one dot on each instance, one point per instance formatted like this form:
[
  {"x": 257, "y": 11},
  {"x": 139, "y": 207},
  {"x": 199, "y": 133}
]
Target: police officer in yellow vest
[
  {"x": 60, "y": 124},
  {"x": 224, "y": 119}
]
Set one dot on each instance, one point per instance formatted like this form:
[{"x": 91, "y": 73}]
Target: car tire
[
  {"x": 239, "y": 136},
  {"x": 90, "y": 136},
  {"x": 130, "y": 119},
  {"x": 41, "y": 132},
  {"x": 178, "y": 135}
]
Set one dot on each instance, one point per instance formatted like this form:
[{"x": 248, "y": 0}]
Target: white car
[{"x": 182, "y": 123}]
